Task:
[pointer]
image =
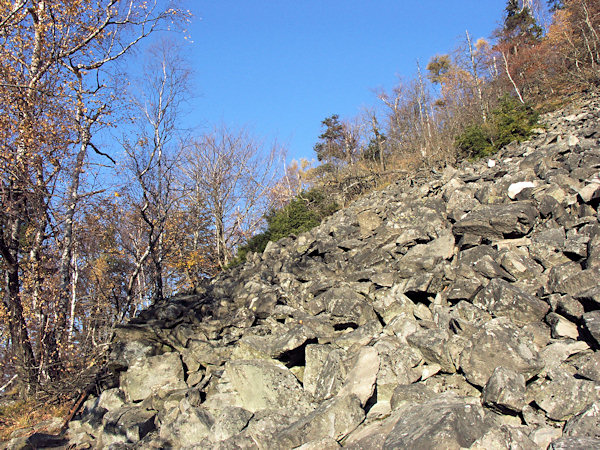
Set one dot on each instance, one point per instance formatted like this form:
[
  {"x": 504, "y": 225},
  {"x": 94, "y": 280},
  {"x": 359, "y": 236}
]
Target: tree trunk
[
  {"x": 25, "y": 362},
  {"x": 476, "y": 78}
]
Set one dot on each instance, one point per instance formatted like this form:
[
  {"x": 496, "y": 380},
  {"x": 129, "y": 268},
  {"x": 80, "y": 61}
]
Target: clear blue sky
[{"x": 281, "y": 66}]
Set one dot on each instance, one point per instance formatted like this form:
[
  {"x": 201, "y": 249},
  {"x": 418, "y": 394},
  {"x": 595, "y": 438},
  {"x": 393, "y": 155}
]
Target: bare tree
[
  {"x": 152, "y": 156},
  {"x": 233, "y": 174}
]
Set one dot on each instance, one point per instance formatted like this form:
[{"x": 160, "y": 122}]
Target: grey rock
[
  {"x": 590, "y": 297},
  {"x": 464, "y": 288},
  {"x": 444, "y": 423},
  {"x": 315, "y": 356},
  {"x": 505, "y": 437},
  {"x": 520, "y": 266},
  {"x": 433, "y": 344},
  {"x": 544, "y": 435},
  {"x": 409, "y": 394},
  {"x": 499, "y": 343},
  {"x": 262, "y": 384},
  {"x": 561, "y": 327},
  {"x": 589, "y": 367},
  {"x": 502, "y": 299},
  {"x": 454, "y": 384},
  {"x": 505, "y": 390},
  {"x": 363, "y": 335},
  {"x": 586, "y": 423},
  {"x": 320, "y": 444},
  {"x": 360, "y": 380},
  {"x": 202, "y": 353},
  {"x": 574, "y": 443},
  {"x": 574, "y": 281},
  {"x": 229, "y": 422},
  {"x": 397, "y": 363},
  {"x": 482, "y": 260},
  {"x": 591, "y": 322},
  {"x": 558, "y": 352},
  {"x": 569, "y": 307},
  {"x": 368, "y": 221},
  {"x": 111, "y": 399},
  {"x": 335, "y": 418},
  {"x": 498, "y": 221},
  {"x": 146, "y": 376},
  {"x": 127, "y": 424},
  {"x": 347, "y": 305},
  {"x": 565, "y": 396},
  {"x": 332, "y": 375},
  {"x": 187, "y": 428}
]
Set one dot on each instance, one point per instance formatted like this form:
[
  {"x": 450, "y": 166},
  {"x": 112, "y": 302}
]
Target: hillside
[{"x": 458, "y": 309}]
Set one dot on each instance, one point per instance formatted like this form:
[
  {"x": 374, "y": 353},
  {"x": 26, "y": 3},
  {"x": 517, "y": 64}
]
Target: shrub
[
  {"x": 510, "y": 121},
  {"x": 302, "y": 213},
  {"x": 475, "y": 142},
  {"x": 513, "y": 121}
]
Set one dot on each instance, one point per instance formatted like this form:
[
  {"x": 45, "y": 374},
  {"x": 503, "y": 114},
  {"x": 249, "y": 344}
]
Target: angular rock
[
  {"x": 316, "y": 355},
  {"x": 505, "y": 390},
  {"x": 335, "y": 418},
  {"x": 564, "y": 396},
  {"x": 591, "y": 322},
  {"x": 499, "y": 343},
  {"x": 576, "y": 282},
  {"x": 368, "y": 221},
  {"x": 498, "y": 221},
  {"x": 347, "y": 305},
  {"x": 360, "y": 381},
  {"x": 146, "y": 376},
  {"x": 558, "y": 352},
  {"x": 516, "y": 188},
  {"x": 589, "y": 367},
  {"x": 586, "y": 423},
  {"x": 410, "y": 394},
  {"x": 320, "y": 444},
  {"x": 443, "y": 423},
  {"x": 187, "y": 428},
  {"x": 561, "y": 327},
  {"x": 502, "y": 299},
  {"x": 127, "y": 424},
  {"x": 332, "y": 375},
  {"x": 229, "y": 422},
  {"x": 262, "y": 384},
  {"x": 520, "y": 266},
  {"x": 574, "y": 443},
  {"x": 396, "y": 366},
  {"x": 111, "y": 399},
  {"x": 544, "y": 435},
  {"x": 504, "y": 437},
  {"x": 433, "y": 344}
]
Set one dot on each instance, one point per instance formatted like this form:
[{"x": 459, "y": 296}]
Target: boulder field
[{"x": 456, "y": 309}]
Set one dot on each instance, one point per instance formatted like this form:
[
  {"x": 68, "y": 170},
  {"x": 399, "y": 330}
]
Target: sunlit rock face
[{"x": 459, "y": 309}]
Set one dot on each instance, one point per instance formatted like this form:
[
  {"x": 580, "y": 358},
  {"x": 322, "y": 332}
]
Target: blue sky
[{"x": 279, "y": 67}]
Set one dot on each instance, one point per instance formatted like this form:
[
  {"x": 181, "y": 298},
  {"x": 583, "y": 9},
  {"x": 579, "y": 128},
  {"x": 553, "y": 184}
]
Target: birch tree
[
  {"x": 47, "y": 49},
  {"x": 233, "y": 174}
]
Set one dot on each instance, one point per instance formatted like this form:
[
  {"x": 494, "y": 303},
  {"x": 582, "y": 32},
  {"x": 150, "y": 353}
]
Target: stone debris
[{"x": 460, "y": 309}]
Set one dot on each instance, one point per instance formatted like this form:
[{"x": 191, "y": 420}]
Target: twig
[{"x": 7, "y": 384}]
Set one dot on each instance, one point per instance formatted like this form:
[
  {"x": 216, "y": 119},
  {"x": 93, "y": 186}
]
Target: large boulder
[
  {"x": 499, "y": 343},
  {"x": 442, "y": 423},
  {"x": 147, "y": 376},
  {"x": 264, "y": 384},
  {"x": 498, "y": 221}
]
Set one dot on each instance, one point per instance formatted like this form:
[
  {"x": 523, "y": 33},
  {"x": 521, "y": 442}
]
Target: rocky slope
[{"x": 456, "y": 310}]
